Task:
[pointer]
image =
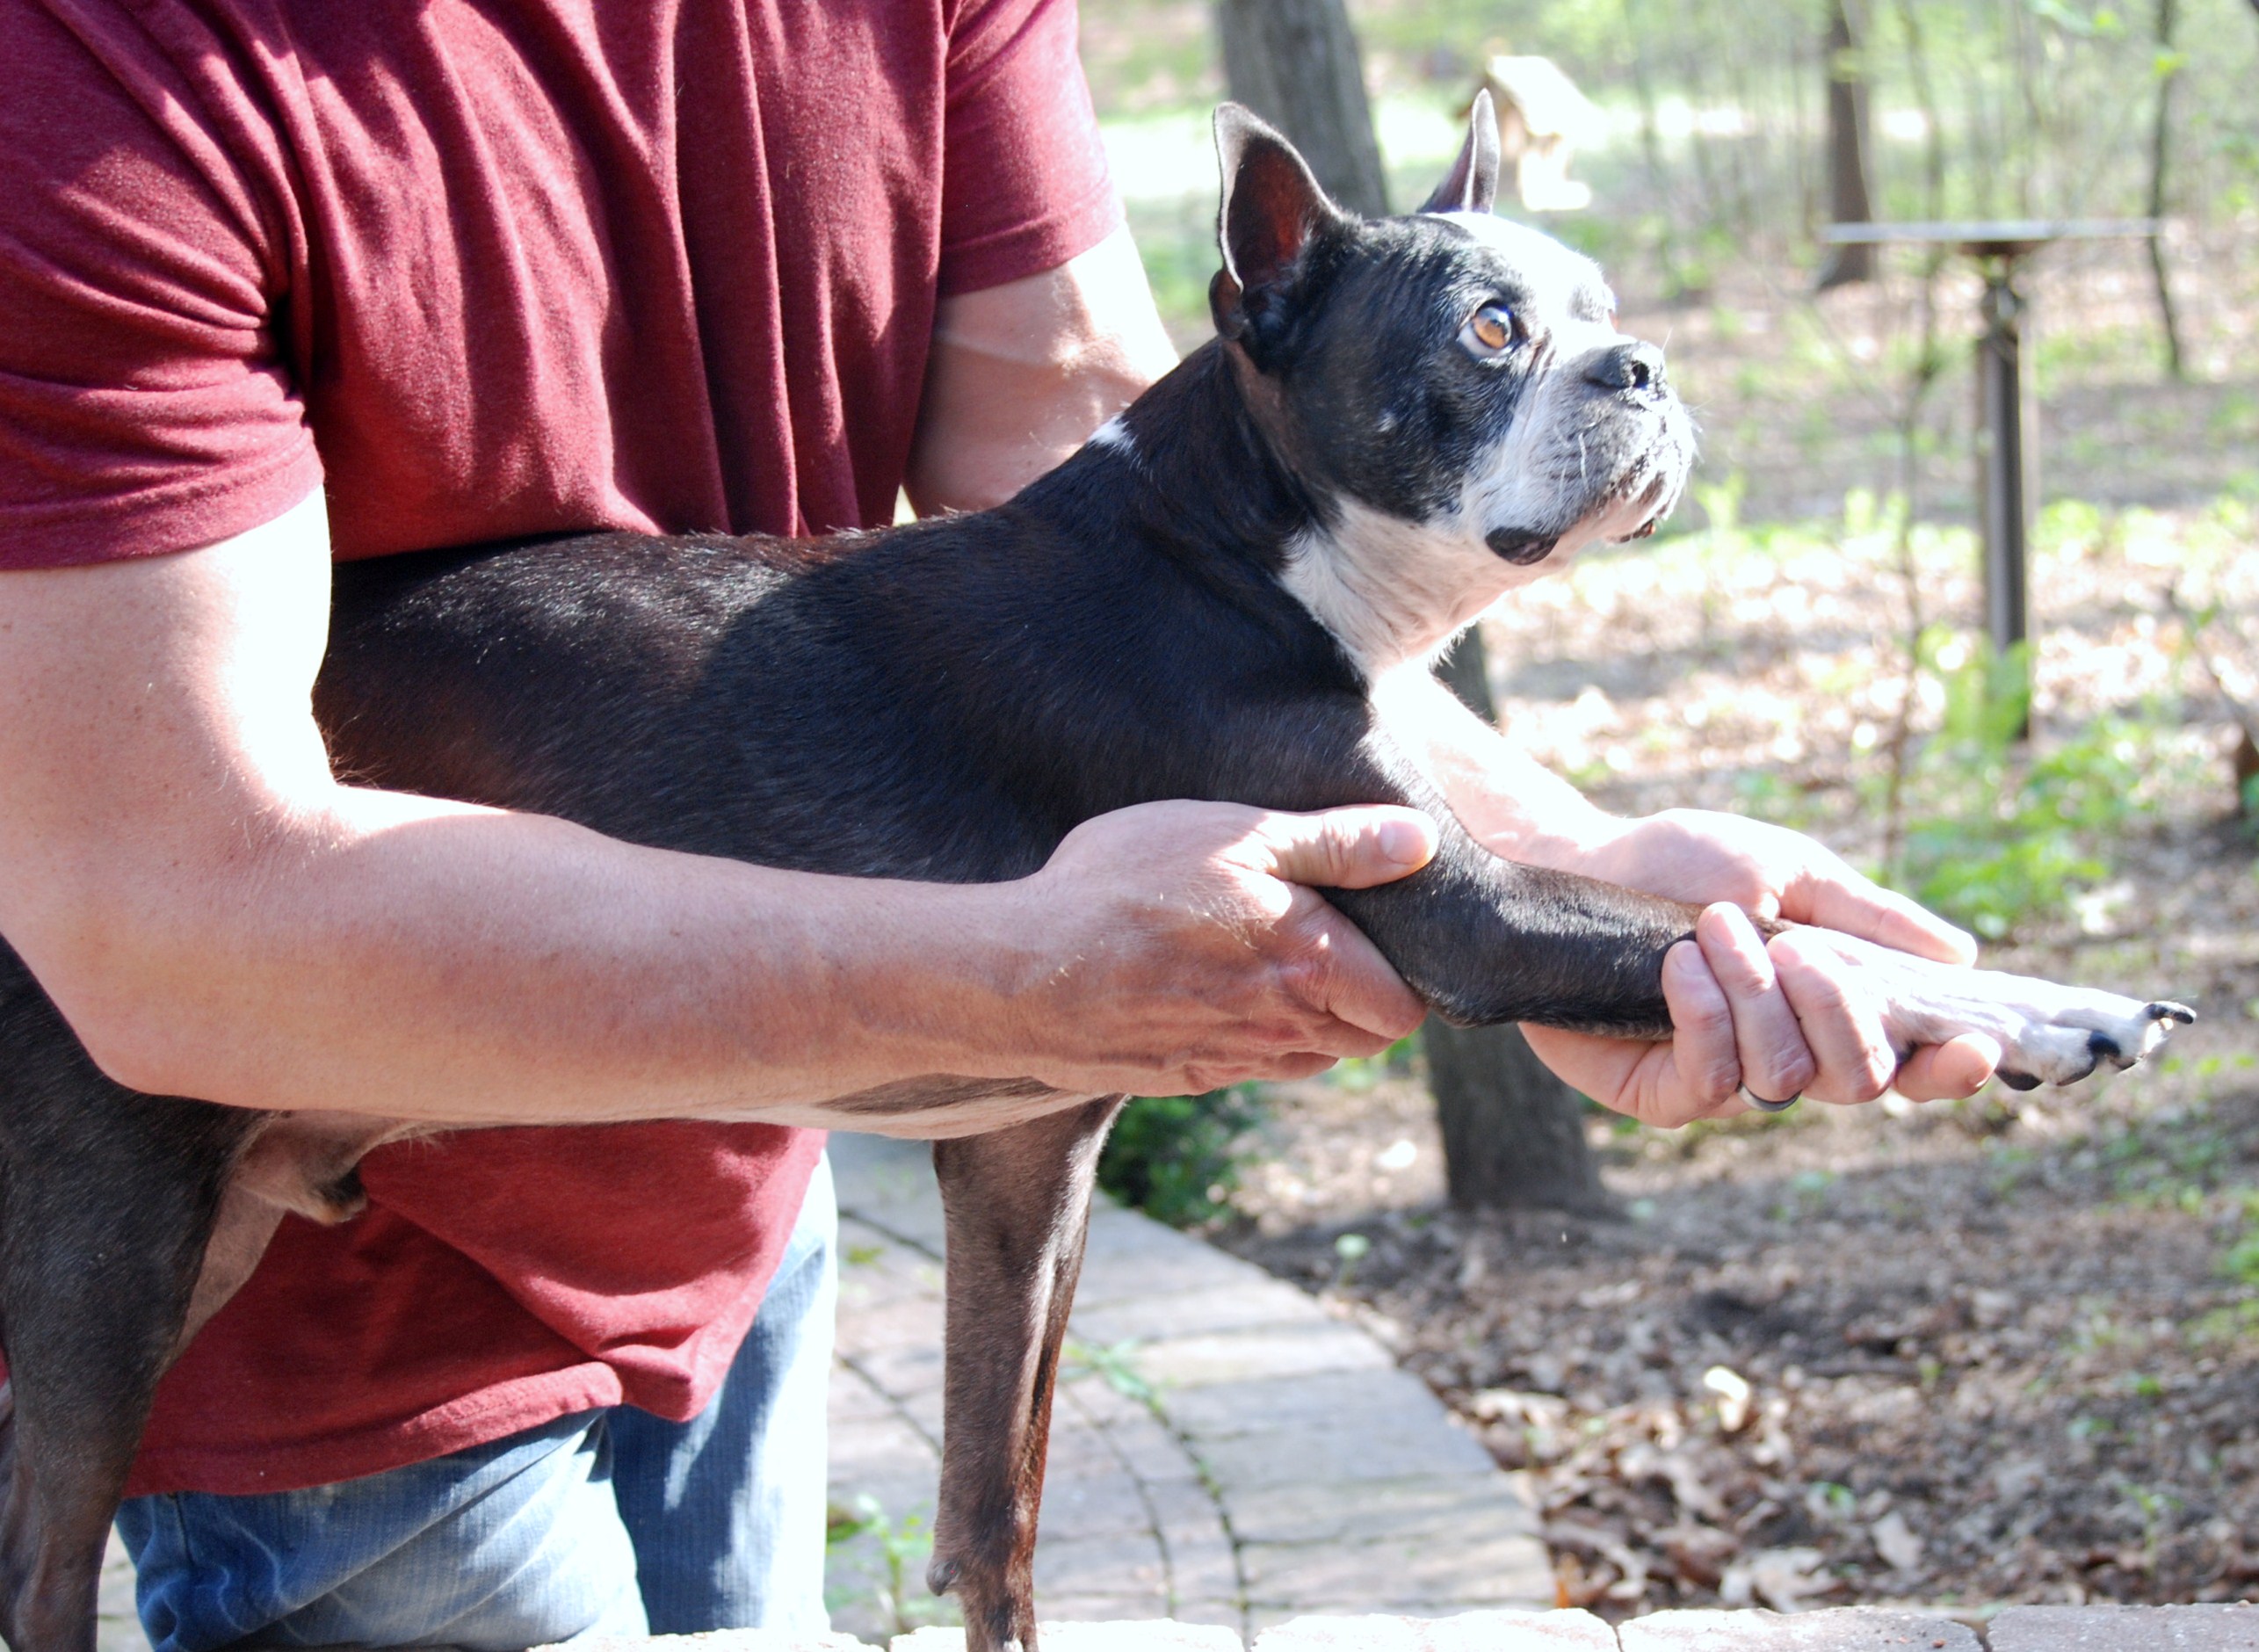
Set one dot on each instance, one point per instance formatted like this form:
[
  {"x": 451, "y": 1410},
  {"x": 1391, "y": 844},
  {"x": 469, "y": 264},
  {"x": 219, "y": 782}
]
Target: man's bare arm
[{"x": 1022, "y": 373}]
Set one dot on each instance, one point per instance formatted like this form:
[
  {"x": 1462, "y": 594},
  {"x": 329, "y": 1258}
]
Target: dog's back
[
  {"x": 744, "y": 701},
  {"x": 943, "y": 703}
]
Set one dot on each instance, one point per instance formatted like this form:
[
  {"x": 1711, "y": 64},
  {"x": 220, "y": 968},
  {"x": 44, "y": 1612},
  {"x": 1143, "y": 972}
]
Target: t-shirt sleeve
[
  {"x": 1024, "y": 184},
  {"x": 145, "y": 407}
]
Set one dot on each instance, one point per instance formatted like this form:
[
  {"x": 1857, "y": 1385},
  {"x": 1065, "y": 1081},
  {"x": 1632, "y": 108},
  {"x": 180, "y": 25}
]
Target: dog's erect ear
[
  {"x": 1271, "y": 208},
  {"x": 1473, "y": 185}
]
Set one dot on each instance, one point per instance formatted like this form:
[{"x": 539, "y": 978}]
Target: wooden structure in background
[{"x": 1542, "y": 120}]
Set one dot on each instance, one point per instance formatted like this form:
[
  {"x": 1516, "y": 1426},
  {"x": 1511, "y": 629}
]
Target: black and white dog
[{"x": 1233, "y": 591}]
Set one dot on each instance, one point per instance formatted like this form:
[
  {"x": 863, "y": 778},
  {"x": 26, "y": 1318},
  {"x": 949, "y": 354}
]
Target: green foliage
[
  {"x": 1710, "y": 156},
  {"x": 1175, "y": 1157},
  {"x": 1831, "y": 1500},
  {"x": 1995, "y": 833},
  {"x": 1349, "y": 1249},
  {"x": 1115, "y": 1364},
  {"x": 2241, "y": 1261},
  {"x": 2236, "y": 1322},
  {"x": 1809, "y": 1193},
  {"x": 904, "y": 1544},
  {"x": 1359, "y": 1073}
]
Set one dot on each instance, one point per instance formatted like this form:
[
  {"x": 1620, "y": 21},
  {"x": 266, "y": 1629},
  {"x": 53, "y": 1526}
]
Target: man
[{"x": 281, "y": 283}]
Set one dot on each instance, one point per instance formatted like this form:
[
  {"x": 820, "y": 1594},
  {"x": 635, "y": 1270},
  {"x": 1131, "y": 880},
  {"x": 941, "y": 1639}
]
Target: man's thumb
[{"x": 1349, "y": 848}]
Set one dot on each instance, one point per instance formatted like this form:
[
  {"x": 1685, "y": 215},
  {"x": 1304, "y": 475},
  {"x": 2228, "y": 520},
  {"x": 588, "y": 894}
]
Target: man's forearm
[
  {"x": 217, "y": 917},
  {"x": 405, "y": 958},
  {"x": 1509, "y": 802}
]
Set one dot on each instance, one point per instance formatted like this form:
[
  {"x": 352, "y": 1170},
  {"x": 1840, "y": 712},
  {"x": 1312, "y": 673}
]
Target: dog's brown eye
[{"x": 1492, "y": 328}]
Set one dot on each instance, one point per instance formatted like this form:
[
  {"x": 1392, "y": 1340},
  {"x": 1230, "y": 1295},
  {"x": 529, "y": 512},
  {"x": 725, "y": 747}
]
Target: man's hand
[
  {"x": 1784, "y": 1018},
  {"x": 1180, "y": 950}
]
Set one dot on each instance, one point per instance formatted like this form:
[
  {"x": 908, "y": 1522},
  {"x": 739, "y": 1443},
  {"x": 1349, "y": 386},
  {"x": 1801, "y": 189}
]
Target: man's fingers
[
  {"x": 1948, "y": 1071},
  {"x": 1704, "y": 1051},
  {"x": 1842, "y": 1024},
  {"x": 1353, "y": 983},
  {"x": 1838, "y": 898},
  {"x": 1211, "y": 957},
  {"x": 1775, "y": 1062},
  {"x": 1347, "y": 848}
]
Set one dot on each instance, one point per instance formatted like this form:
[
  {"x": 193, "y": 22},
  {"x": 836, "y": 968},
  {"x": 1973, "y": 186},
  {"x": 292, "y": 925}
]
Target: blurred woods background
[{"x": 2007, "y": 1349}]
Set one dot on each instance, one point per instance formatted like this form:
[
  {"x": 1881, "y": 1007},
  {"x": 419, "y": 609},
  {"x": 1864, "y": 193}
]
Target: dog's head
[{"x": 1449, "y": 386}]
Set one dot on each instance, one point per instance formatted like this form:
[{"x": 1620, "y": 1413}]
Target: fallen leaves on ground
[{"x": 1952, "y": 1365}]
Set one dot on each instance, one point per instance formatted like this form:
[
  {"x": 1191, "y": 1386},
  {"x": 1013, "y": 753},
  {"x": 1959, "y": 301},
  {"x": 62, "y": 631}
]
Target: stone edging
[{"x": 2201, "y": 1628}]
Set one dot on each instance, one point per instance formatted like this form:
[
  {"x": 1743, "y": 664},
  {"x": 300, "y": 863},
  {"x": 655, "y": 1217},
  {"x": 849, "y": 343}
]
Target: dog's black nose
[{"x": 1629, "y": 366}]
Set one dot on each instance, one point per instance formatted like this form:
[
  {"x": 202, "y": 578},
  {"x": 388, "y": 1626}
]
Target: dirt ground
[{"x": 1970, "y": 1355}]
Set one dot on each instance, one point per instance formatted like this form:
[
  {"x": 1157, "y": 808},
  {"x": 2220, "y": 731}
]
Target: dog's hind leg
[
  {"x": 1017, "y": 1207},
  {"x": 107, "y": 1200}
]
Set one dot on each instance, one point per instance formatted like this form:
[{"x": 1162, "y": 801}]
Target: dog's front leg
[
  {"x": 1016, "y": 1205},
  {"x": 1481, "y": 939},
  {"x": 1485, "y": 940}
]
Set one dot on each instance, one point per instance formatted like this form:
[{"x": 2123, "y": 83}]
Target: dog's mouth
[
  {"x": 1654, "y": 502},
  {"x": 1617, "y": 477},
  {"x": 1650, "y": 488},
  {"x": 1644, "y": 501}
]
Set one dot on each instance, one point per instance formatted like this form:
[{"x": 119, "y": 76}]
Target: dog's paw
[
  {"x": 2047, "y": 1034},
  {"x": 2068, "y": 1047}
]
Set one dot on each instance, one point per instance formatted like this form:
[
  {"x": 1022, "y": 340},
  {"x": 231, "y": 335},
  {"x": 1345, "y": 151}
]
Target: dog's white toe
[
  {"x": 2048, "y": 1033},
  {"x": 2063, "y": 1042}
]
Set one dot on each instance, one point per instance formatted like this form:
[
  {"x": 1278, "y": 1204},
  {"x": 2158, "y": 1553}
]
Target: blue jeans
[{"x": 609, "y": 1523}]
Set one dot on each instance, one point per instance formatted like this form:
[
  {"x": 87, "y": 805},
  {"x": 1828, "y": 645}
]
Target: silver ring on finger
[{"x": 1763, "y": 1105}]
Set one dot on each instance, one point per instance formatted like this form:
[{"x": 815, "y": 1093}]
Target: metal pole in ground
[
  {"x": 2006, "y": 459},
  {"x": 2007, "y": 422}
]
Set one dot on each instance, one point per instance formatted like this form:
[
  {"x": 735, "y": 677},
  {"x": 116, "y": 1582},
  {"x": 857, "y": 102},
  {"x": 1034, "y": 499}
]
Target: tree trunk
[
  {"x": 1295, "y": 63},
  {"x": 1513, "y": 1134},
  {"x": 1849, "y": 145},
  {"x": 2160, "y": 155}
]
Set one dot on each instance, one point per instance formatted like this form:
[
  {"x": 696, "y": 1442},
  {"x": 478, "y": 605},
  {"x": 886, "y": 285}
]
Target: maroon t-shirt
[{"x": 482, "y": 268}]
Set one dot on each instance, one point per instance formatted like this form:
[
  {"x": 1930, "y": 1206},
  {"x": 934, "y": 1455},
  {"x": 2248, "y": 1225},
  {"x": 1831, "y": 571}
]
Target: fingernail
[{"x": 1403, "y": 842}]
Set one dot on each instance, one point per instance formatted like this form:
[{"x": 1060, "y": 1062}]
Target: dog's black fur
[{"x": 940, "y": 702}]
